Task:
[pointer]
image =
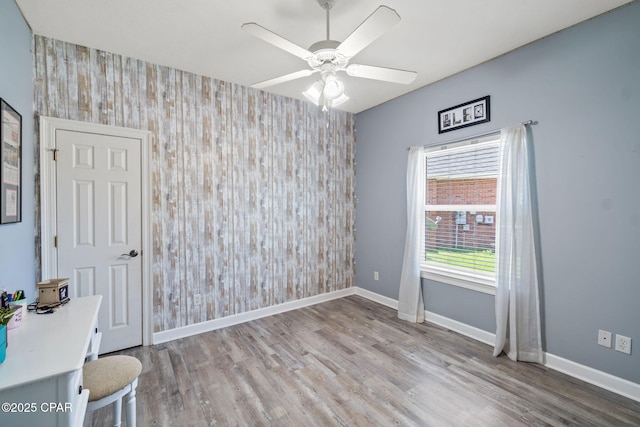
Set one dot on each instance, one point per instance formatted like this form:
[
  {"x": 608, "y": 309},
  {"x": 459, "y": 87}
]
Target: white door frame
[{"x": 48, "y": 197}]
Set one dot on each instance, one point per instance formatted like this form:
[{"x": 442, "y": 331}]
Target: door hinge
[
  {"x": 55, "y": 241},
  {"x": 55, "y": 154}
]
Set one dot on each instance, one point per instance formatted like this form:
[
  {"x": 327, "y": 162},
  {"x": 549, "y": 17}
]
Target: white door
[{"x": 98, "y": 187}]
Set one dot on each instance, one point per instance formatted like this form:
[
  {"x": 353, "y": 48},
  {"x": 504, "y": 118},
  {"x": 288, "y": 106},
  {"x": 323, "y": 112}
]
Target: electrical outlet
[
  {"x": 604, "y": 338},
  {"x": 196, "y": 299},
  {"x": 376, "y": 276},
  {"x": 623, "y": 344}
]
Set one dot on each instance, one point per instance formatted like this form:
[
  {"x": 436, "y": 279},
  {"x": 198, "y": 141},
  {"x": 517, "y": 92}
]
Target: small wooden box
[{"x": 53, "y": 291}]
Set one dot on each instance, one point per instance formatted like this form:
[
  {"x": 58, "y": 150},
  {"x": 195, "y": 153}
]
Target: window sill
[{"x": 478, "y": 284}]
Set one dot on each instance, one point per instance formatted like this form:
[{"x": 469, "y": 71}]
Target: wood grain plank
[
  {"x": 187, "y": 151},
  {"x": 224, "y": 186},
  {"x": 110, "y": 82},
  {"x": 84, "y": 84},
  {"x": 202, "y": 181},
  {"x": 252, "y": 215},
  {"x": 301, "y": 206},
  {"x": 40, "y": 78},
  {"x": 265, "y": 200},
  {"x": 129, "y": 95},
  {"x": 70, "y": 87},
  {"x": 98, "y": 70},
  {"x": 51, "y": 89},
  {"x": 150, "y": 117},
  {"x": 311, "y": 232},
  {"x": 278, "y": 233},
  {"x": 239, "y": 202},
  {"x": 171, "y": 238},
  {"x": 138, "y": 78}
]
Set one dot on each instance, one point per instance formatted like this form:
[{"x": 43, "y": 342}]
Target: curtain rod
[{"x": 480, "y": 135}]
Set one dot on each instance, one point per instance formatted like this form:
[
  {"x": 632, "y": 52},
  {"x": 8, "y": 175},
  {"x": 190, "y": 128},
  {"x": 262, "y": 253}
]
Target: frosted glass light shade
[
  {"x": 314, "y": 92},
  {"x": 333, "y": 88}
]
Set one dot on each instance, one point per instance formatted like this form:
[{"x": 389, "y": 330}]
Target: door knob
[{"x": 133, "y": 253}]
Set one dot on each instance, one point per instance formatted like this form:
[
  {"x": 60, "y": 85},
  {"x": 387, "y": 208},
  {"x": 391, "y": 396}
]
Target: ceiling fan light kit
[
  {"x": 328, "y": 57},
  {"x": 328, "y": 93}
]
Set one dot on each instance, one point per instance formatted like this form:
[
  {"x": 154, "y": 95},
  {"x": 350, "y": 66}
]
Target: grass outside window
[{"x": 481, "y": 260}]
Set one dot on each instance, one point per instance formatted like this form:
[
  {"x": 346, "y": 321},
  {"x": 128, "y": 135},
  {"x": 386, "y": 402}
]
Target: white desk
[{"x": 41, "y": 377}]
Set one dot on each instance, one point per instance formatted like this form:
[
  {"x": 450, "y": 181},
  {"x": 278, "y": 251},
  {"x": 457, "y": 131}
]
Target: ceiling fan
[{"x": 327, "y": 57}]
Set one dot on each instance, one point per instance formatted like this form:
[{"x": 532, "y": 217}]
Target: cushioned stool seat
[{"x": 108, "y": 380}]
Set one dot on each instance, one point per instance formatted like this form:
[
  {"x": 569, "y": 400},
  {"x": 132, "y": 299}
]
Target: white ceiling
[{"x": 435, "y": 38}]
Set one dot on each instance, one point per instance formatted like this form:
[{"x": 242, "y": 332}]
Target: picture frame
[
  {"x": 10, "y": 164},
  {"x": 463, "y": 115}
]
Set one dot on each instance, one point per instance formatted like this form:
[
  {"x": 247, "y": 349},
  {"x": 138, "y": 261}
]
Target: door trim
[{"x": 48, "y": 196}]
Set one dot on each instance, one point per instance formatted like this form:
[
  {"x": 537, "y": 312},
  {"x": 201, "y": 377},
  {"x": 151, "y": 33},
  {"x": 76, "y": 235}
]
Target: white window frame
[{"x": 461, "y": 277}]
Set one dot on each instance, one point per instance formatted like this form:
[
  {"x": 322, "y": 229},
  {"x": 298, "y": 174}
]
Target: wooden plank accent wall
[{"x": 252, "y": 193}]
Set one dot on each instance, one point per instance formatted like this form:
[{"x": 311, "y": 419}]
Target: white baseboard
[
  {"x": 380, "y": 299},
  {"x": 462, "y": 328},
  {"x": 235, "y": 319},
  {"x": 601, "y": 379},
  {"x": 593, "y": 376}
]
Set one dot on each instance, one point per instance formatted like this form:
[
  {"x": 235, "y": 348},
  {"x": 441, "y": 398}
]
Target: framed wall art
[
  {"x": 463, "y": 115},
  {"x": 10, "y": 164}
]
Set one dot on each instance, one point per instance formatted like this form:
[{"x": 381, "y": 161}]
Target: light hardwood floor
[{"x": 351, "y": 362}]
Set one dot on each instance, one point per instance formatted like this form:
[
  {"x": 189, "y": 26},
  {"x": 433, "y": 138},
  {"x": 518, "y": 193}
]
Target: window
[{"x": 460, "y": 214}]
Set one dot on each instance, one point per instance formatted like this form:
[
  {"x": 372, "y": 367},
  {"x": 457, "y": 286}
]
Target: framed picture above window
[
  {"x": 463, "y": 115},
  {"x": 10, "y": 164}
]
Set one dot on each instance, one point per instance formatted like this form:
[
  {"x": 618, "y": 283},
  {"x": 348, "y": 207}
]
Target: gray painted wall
[
  {"x": 582, "y": 85},
  {"x": 17, "y": 253}
]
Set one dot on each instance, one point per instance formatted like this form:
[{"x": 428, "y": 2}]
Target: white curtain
[
  {"x": 410, "y": 302},
  {"x": 517, "y": 297}
]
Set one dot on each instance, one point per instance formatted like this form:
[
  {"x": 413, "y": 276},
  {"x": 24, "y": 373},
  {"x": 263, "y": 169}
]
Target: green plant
[{"x": 6, "y": 314}]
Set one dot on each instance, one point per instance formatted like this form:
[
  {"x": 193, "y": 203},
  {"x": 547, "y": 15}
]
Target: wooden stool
[{"x": 108, "y": 380}]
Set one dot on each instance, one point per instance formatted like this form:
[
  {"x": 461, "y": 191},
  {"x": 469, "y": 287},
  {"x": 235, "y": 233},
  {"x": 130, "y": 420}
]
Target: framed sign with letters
[{"x": 463, "y": 115}]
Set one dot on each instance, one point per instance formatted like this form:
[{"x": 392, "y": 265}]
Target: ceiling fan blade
[
  {"x": 283, "y": 79},
  {"x": 276, "y": 40},
  {"x": 371, "y": 28},
  {"x": 381, "y": 73}
]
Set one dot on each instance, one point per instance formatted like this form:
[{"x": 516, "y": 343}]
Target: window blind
[{"x": 460, "y": 210}]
